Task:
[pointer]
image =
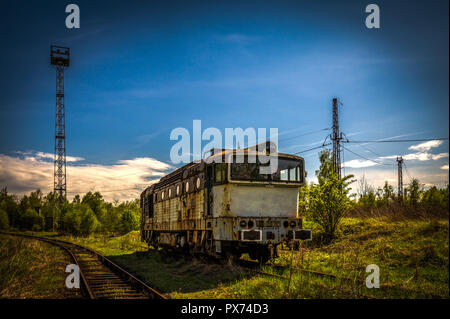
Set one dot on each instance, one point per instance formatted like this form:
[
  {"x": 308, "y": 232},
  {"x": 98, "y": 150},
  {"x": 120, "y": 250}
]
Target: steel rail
[{"x": 116, "y": 269}]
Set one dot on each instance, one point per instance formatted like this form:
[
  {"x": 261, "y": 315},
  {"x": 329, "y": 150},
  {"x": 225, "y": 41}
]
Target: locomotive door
[
  {"x": 208, "y": 187},
  {"x": 150, "y": 206}
]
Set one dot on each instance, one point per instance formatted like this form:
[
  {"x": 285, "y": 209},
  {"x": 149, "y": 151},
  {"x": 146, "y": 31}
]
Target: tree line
[{"x": 80, "y": 217}]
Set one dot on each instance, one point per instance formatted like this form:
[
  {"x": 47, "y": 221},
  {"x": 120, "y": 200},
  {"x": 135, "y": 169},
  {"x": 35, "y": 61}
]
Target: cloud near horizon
[
  {"x": 426, "y": 146},
  {"x": 124, "y": 180},
  {"x": 421, "y": 155},
  {"x": 41, "y": 155}
]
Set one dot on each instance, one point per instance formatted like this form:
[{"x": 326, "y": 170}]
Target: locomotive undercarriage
[{"x": 205, "y": 244}]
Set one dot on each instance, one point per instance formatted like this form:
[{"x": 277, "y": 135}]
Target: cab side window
[{"x": 220, "y": 173}]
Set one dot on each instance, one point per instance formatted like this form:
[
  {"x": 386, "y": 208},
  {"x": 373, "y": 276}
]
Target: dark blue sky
[{"x": 141, "y": 68}]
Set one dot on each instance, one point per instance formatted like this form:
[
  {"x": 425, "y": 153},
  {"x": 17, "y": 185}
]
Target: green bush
[
  {"x": 31, "y": 220},
  {"x": 80, "y": 220},
  {"x": 129, "y": 221},
  {"x": 327, "y": 203},
  {"x": 89, "y": 222},
  {"x": 71, "y": 222}
]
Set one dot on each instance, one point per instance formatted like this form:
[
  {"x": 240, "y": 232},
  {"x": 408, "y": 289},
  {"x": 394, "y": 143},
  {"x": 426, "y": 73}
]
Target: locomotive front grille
[
  {"x": 251, "y": 235},
  {"x": 303, "y": 234},
  {"x": 270, "y": 235}
]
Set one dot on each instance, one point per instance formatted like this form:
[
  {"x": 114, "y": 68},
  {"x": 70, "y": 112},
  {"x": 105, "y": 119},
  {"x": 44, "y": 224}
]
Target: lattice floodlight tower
[
  {"x": 400, "y": 176},
  {"x": 59, "y": 56},
  {"x": 336, "y": 137}
]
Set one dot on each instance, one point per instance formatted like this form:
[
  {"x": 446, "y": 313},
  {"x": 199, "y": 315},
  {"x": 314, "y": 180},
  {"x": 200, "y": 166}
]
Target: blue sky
[{"x": 140, "y": 69}]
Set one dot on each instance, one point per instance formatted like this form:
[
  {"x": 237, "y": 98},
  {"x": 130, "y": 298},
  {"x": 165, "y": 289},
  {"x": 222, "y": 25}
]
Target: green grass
[
  {"x": 412, "y": 256},
  {"x": 111, "y": 246},
  {"x": 32, "y": 269}
]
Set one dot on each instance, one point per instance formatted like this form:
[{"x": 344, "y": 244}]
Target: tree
[
  {"x": 95, "y": 202},
  {"x": 129, "y": 221},
  {"x": 414, "y": 192},
  {"x": 388, "y": 192},
  {"x": 89, "y": 222},
  {"x": 76, "y": 199},
  {"x": 111, "y": 221},
  {"x": 71, "y": 222},
  {"x": 4, "y": 220},
  {"x": 31, "y": 220},
  {"x": 9, "y": 204},
  {"x": 98, "y": 206},
  {"x": 434, "y": 197},
  {"x": 326, "y": 165}
]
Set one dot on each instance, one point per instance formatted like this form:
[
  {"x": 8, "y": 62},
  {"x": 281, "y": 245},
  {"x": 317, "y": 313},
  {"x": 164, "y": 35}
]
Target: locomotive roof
[{"x": 198, "y": 166}]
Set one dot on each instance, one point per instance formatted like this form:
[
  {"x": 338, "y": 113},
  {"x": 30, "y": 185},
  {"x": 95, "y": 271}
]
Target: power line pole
[
  {"x": 59, "y": 56},
  {"x": 400, "y": 176},
  {"x": 336, "y": 137}
]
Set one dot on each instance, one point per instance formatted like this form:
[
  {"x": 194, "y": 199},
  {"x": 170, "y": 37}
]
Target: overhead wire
[
  {"x": 308, "y": 133},
  {"x": 406, "y": 170},
  {"x": 399, "y": 141},
  {"x": 314, "y": 148},
  {"x": 367, "y": 159},
  {"x": 368, "y": 149}
]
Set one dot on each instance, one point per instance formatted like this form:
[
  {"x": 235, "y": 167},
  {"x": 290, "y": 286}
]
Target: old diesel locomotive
[{"x": 225, "y": 208}]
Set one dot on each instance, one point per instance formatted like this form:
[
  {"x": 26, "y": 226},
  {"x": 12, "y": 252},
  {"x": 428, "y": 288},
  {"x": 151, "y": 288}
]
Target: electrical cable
[
  {"x": 314, "y": 148},
  {"x": 308, "y": 133},
  {"x": 400, "y": 141},
  {"x": 368, "y": 159}
]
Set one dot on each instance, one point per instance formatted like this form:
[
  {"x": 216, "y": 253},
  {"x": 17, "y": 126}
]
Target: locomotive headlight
[
  {"x": 292, "y": 223},
  {"x": 243, "y": 223},
  {"x": 250, "y": 223}
]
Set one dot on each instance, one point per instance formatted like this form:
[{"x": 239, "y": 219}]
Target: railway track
[
  {"x": 255, "y": 265},
  {"x": 100, "y": 277}
]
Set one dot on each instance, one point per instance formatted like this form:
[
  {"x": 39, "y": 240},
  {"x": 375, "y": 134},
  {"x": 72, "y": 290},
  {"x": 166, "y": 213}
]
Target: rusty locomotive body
[{"x": 225, "y": 208}]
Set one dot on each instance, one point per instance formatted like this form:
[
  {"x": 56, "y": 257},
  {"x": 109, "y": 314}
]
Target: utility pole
[
  {"x": 59, "y": 56},
  {"x": 400, "y": 176},
  {"x": 336, "y": 137}
]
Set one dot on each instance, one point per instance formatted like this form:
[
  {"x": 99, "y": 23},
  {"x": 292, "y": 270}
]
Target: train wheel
[
  {"x": 231, "y": 258},
  {"x": 253, "y": 255},
  {"x": 263, "y": 258},
  {"x": 263, "y": 254}
]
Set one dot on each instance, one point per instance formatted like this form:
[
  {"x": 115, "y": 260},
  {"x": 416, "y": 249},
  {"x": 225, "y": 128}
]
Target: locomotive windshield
[{"x": 289, "y": 170}]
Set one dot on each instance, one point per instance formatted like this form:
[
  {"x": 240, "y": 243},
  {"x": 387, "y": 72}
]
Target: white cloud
[
  {"x": 438, "y": 156},
  {"x": 41, "y": 155},
  {"x": 124, "y": 180},
  {"x": 420, "y": 156},
  {"x": 426, "y": 146},
  {"x": 358, "y": 164},
  {"x": 444, "y": 167}
]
